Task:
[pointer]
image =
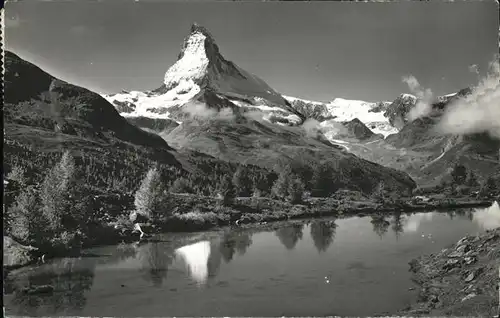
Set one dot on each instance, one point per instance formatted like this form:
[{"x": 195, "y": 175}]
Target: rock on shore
[
  {"x": 461, "y": 280},
  {"x": 16, "y": 254}
]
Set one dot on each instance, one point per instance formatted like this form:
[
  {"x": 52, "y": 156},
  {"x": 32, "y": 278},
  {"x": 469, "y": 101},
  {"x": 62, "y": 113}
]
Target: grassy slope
[{"x": 265, "y": 144}]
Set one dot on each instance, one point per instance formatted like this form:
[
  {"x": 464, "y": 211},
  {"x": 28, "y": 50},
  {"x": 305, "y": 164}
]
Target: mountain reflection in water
[
  {"x": 203, "y": 259},
  {"x": 155, "y": 260},
  {"x": 196, "y": 258}
]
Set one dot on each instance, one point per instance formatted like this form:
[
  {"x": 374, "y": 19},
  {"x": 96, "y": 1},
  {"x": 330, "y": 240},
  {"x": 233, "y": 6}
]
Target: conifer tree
[
  {"x": 148, "y": 198},
  {"x": 241, "y": 181},
  {"x": 472, "y": 180},
  {"x": 488, "y": 188},
  {"x": 55, "y": 193},
  {"x": 226, "y": 191},
  {"x": 280, "y": 186},
  {"x": 295, "y": 189},
  {"x": 459, "y": 174},
  {"x": 27, "y": 222}
]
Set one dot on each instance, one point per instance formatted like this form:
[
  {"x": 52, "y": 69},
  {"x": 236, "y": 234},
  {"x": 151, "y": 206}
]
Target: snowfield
[
  {"x": 156, "y": 105},
  {"x": 346, "y": 110}
]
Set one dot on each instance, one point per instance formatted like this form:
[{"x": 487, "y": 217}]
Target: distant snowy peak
[
  {"x": 345, "y": 110},
  {"x": 408, "y": 97},
  {"x": 398, "y": 110},
  {"x": 295, "y": 99}
]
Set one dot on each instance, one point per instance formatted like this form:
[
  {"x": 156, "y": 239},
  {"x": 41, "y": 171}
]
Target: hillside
[{"x": 44, "y": 116}]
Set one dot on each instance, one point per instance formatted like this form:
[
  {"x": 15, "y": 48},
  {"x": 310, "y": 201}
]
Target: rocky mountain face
[
  {"x": 357, "y": 130},
  {"x": 200, "y": 63},
  {"x": 396, "y": 112}
]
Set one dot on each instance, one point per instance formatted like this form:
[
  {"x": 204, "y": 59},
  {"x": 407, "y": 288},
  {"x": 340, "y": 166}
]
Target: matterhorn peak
[
  {"x": 200, "y": 65},
  {"x": 198, "y": 52},
  {"x": 196, "y": 28}
]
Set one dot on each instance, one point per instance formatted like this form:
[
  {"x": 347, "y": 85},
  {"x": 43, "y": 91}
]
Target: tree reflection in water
[
  {"x": 466, "y": 214},
  {"x": 214, "y": 260},
  {"x": 380, "y": 225},
  {"x": 397, "y": 224},
  {"x": 290, "y": 235},
  {"x": 155, "y": 259},
  {"x": 451, "y": 214},
  {"x": 323, "y": 234},
  {"x": 470, "y": 215},
  {"x": 232, "y": 242},
  {"x": 68, "y": 278}
]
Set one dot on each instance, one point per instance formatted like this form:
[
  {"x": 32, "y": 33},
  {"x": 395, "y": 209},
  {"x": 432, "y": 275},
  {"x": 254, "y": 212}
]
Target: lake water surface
[{"x": 353, "y": 266}]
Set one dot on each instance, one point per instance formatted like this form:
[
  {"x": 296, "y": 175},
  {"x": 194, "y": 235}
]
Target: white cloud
[
  {"x": 474, "y": 68},
  {"x": 200, "y": 110},
  {"x": 478, "y": 112},
  {"x": 424, "y": 101}
]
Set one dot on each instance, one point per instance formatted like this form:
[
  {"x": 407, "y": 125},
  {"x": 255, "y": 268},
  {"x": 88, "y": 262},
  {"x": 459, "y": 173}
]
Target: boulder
[
  {"x": 470, "y": 260},
  {"x": 15, "y": 254},
  {"x": 450, "y": 264},
  {"x": 472, "y": 275}
]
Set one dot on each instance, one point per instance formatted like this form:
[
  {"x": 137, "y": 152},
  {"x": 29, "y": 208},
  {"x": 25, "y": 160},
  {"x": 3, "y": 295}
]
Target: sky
[{"x": 312, "y": 50}]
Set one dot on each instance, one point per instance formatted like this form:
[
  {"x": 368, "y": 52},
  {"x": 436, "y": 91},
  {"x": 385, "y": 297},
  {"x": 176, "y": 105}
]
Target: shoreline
[{"x": 108, "y": 234}]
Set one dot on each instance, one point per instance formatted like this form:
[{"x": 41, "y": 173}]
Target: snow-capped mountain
[
  {"x": 397, "y": 111},
  {"x": 201, "y": 64},
  {"x": 202, "y": 82},
  {"x": 201, "y": 68}
]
